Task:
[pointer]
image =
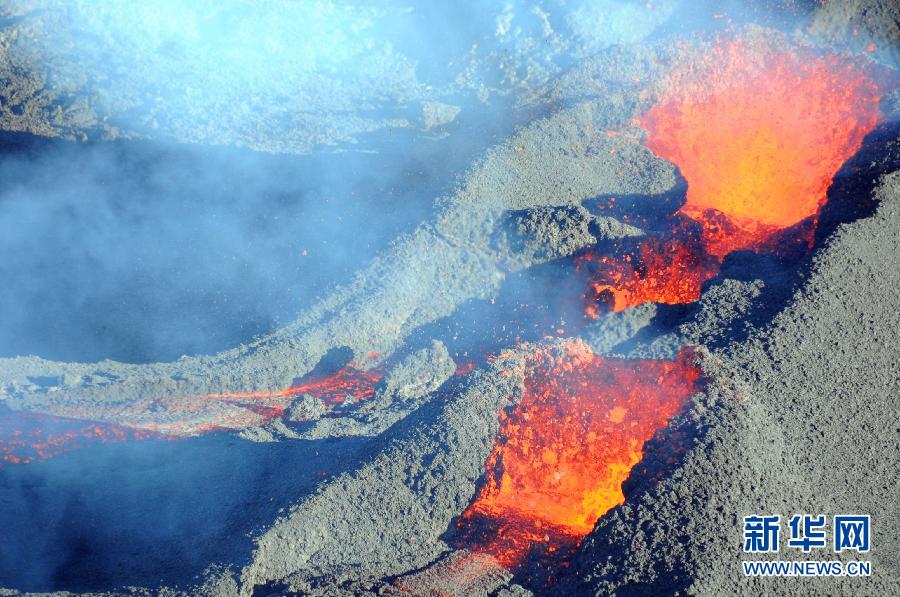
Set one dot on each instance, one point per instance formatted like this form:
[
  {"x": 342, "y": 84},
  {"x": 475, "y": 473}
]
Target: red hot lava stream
[
  {"x": 331, "y": 389},
  {"x": 28, "y": 437},
  {"x": 561, "y": 456}
]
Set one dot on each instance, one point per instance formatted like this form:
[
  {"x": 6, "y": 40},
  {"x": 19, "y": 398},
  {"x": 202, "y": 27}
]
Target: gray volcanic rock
[
  {"x": 613, "y": 329},
  {"x": 388, "y": 515},
  {"x": 869, "y": 26},
  {"x": 305, "y": 408},
  {"x": 199, "y": 72},
  {"x": 796, "y": 419},
  {"x": 419, "y": 374},
  {"x": 436, "y": 114},
  {"x": 719, "y": 316},
  {"x": 543, "y": 234},
  {"x": 459, "y": 573},
  {"x": 425, "y": 276}
]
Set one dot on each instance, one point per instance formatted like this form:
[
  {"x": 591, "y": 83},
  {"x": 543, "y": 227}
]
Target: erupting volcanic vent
[
  {"x": 563, "y": 453},
  {"x": 758, "y": 133}
]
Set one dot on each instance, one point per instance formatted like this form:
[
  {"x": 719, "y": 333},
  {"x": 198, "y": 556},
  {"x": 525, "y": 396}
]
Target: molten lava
[
  {"x": 656, "y": 271},
  {"x": 563, "y": 453},
  {"x": 262, "y": 406},
  {"x": 330, "y": 389},
  {"x": 28, "y": 437},
  {"x": 758, "y": 134}
]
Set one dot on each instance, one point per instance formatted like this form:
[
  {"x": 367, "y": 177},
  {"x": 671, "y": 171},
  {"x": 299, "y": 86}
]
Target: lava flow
[
  {"x": 759, "y": 134},
  {"x": 563, "y": 453},
  {"x": 28, "y": 437},
  {"x": 658, "y": 271},
  {"x": 330, "y": 389},
  {"x": 247, "y": 409}
]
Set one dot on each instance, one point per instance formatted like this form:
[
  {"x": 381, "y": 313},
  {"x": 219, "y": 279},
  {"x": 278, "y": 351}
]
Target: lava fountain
[{"x": 758, "y": 132}]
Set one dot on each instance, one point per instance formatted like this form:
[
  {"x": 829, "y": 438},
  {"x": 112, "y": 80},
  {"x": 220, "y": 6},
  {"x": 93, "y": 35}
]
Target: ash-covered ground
[{"x": 495, "y": 270}]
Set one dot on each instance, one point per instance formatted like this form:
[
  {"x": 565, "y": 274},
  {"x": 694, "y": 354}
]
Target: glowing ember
[
  {"x": 759, "y": 134},
  {"x": 563, "y": 453}
]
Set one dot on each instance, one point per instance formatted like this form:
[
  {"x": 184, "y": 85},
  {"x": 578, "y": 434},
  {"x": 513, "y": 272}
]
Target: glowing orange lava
[
  {"x": 29, "y": 437},
  {"x": 759, "y": 133},
  {"x": 563, "y": 453},
  {"x": 330, "y": 389},
  {"x": 657, "y": 272}
]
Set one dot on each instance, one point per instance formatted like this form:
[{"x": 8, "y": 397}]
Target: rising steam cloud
[{"x": 141, "y": 251}]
